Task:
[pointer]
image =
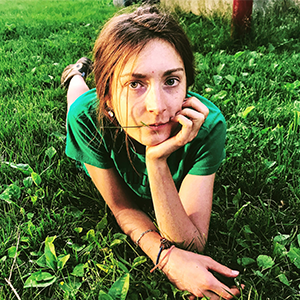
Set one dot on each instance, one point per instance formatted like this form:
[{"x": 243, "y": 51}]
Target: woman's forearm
[
  {"x": 121, "y": 201},
  {"x": 134, "y": 223},
  {"x": 172, "y": 219}
]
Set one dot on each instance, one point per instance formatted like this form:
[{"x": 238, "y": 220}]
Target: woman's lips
[{"x": 157, "y": 126}]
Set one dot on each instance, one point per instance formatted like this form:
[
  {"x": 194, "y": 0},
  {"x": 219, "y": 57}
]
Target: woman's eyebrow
[
  {"x": 169, "y": 72},
  {"x": 141, "y": 76},
  {"x": 136, "y": 75}
]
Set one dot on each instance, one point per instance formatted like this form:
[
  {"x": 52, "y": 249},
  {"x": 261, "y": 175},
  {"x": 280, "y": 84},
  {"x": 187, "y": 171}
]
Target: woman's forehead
[{"x": 154, "y": 53}]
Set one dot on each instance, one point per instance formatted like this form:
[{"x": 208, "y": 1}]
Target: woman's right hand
[{"x": 190, "y": 272}]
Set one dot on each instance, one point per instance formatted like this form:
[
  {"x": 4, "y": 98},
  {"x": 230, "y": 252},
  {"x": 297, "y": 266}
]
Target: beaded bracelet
[{"x": 138, "y": 240}]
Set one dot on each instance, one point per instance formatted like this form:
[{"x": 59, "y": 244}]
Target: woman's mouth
[{"x": 157, "y": 126}]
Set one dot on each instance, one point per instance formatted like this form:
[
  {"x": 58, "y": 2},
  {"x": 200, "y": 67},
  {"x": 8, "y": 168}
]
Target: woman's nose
[{"x": 155, "y": 101}]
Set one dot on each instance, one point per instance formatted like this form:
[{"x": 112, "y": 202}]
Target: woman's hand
[
  {"x": 190, "y": 117},
  {"x": 190, "y": 272}
]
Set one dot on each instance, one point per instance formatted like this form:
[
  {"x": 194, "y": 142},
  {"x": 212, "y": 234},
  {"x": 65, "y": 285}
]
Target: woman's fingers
[
  {"x": 221, "y": 269},
  {"x": 214, "y": 296},
  {"x": 225, "y": 292},
  {"x": 191, "y": 117},
  {"x": 215, "y": 285},
  {"x": 196, "y": 105}
]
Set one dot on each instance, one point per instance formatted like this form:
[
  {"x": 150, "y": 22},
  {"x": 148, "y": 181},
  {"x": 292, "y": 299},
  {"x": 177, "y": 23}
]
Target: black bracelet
[{"x": 164, "y": 244}]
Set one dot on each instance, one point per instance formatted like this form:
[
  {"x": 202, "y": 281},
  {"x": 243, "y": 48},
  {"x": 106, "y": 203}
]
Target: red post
[{"x": 241, "y": 18}]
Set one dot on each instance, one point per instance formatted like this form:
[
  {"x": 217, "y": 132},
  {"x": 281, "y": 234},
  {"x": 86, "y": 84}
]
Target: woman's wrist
[
  {"x": 150, "y": 244},
  {"x": 154, "y": 156}
]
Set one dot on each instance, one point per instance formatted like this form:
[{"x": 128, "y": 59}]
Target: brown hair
[{"x": 125, "y": 35}]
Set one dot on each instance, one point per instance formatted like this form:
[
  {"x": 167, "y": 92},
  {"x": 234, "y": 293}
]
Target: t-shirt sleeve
[
  {"x": 211, "y": 153},
  {"x": 84, "y": 141}
]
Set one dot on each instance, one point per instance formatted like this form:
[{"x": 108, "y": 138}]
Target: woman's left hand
[
  {"x": 190, "y": 117},
  {"x": 191, "y": 272}
]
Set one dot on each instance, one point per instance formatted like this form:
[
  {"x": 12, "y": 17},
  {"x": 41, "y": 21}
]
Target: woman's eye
[
  {"x": 172, "y": 81},
  {"x": 134, "y": 85}
]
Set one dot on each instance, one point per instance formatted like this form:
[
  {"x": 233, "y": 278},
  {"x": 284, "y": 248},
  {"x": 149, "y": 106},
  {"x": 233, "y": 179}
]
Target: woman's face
[{"x": 148, "y": 93}]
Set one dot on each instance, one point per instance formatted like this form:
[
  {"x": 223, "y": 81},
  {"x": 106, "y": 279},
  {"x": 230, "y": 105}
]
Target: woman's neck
[{"x": 137, "y": 147}]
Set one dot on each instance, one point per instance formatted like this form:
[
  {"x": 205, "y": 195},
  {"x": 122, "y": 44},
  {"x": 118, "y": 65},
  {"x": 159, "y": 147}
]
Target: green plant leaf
[
  {"x": 265, "y": 261},
  {"x": 12, "y": 192},
  {"x": 217, "y": 79},
  {"x": 27, "y": 182},
  {"x": 40, "y": 279},
  {"x": 78, "y": 270},
  {"x": 122, "y": 266},
  {"x": 103, "y": 296},
  {"x": 40, "y": 193},
  {"x": 103, "y": 268},
  {"x": 33, "y": 199},
  {"x": 241, "y": 209},
  {"x": 245, "y": 261},
  {"x": 298, "y": 239},
  {"x": 220, "y": 68},
  {"x": 78, "y": 229},
  {"x": 258, "y": 273},
  {"x": 36, "y": 178},
  {"x": 245, "y": 113},
  {"x": 251, "y": 62},
  {"x": 120, "y": 236},
  {"x": 59, "y": 136},
  {"x": 61, "y": 260},
  {"x": 297, "y": 105},
  {"x": 271, "y": 48},
  {"x": 50, "y": 254},
  {"x": 294, "y": 256},
  {"x": 26, "y": 169},
  {"x": 284, "y": 279},
  {"x": 115, "y": 242},
  {"x": 102, "y": 224},
  {"x": 90, "y": 235},
  {"x": 230, "y": 78},
  {"x": 247, "y": 229},
  {"x": 42, "y": 261},
  {"x": 238, "y": 54},
  {"x": 219, "y": 96},
  {"x": 270, "y": 164},
  {"x": 119, "y": 289},
  {"x": 71, "y": 285},
  {"x": 50, "y": 152},
  {"x": 279, "y": 250},
  {"x": 138, "y": 261},
  {"x": 24, "y": 242},
  {"x": 236, "y": 199},
  {"x": 282, "y": 238},
  {"x": 77, "y": 247},
  {"x": 12, "y": 251}
]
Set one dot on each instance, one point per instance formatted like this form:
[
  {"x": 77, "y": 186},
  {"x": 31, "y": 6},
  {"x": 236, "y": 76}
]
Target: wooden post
[{"x": 241, "y": 18}]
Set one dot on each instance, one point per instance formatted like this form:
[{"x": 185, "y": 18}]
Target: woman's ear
[{"x": 107, "y": 100}]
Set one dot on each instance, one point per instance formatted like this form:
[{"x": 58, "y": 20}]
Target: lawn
[{"x": 58, "y": 240}]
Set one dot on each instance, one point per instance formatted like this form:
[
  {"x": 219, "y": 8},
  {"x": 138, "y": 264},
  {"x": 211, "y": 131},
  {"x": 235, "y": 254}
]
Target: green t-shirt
[{"x": 86, "y": 144}]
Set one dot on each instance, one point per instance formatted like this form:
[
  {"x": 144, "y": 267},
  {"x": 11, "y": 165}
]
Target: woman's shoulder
[{"x": 84, "y": 105}]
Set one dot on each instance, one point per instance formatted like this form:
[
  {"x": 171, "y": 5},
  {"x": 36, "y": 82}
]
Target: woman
[{"x": 141, "y": 135}]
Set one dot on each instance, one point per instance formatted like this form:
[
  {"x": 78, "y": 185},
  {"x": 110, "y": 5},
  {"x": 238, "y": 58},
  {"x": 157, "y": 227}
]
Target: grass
[{"x": 58, "y": 240}]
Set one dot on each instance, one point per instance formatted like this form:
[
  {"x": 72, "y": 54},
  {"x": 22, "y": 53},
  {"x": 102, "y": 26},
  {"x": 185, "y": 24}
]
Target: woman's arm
[
  {"x": 187, "y": 270},
  {"x": 121, "y": 201},
  {"x": 182, "y": 217}
]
